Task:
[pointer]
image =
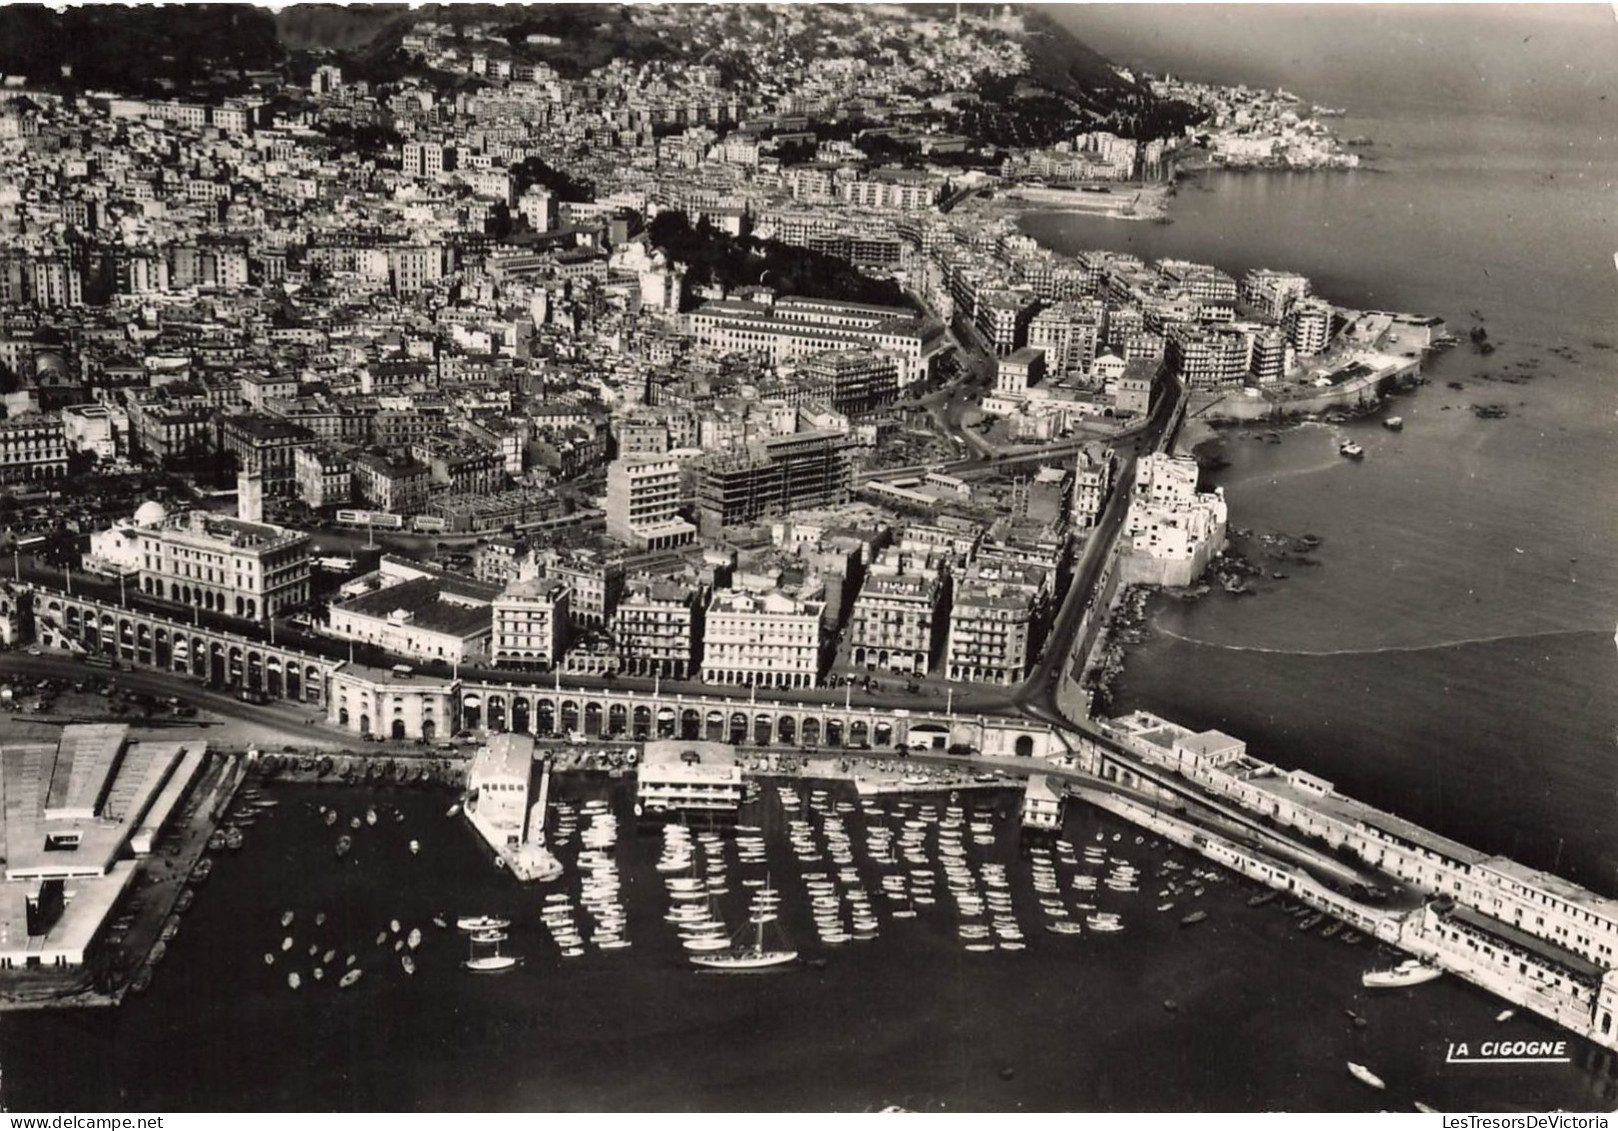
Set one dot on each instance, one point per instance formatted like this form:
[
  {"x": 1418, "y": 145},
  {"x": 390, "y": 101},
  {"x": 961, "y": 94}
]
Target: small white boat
[
  {"x": 286, "y": 918},
  {"x": 1365, "y": 1076},
  {"x": 415, "y": 847},
  {"x": 408, "y": 963},
  {"x": 414, "y": 938},
  {"x": 293, "y": 980},
  {"x": 1505, "y": 1015},
  {"x": 269, "y": 958},
  {"x": 452, "y": 810},
  {"x": 1410, "y": 972},
  {"x": 393, "y": 925},
  {"x": 286, "y": 943},
  {"x": 349, "y": 978}
]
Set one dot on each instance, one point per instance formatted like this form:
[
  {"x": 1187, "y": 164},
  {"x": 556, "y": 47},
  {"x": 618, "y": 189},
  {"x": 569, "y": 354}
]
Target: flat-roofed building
[
  {"x": 530, "y": 624},
  {"x": 643, "y": 503},
  {"x": 225, "y": 565},
  {"x": 762, "y": 640},
  {"x": 690, "y": 776},
  {"x": 425, "y": 616},
  {"x": 990, "y": 628},
  {"x": 800, "y": 327},
  {"x": 69, "y": 812},
  {"x": 656, "y": 628},
  {"x": 892, "y": 626},
  {"x": 798, "y": 471},
  {"x": 324, "y": 477},
  {"x": 32, "y": 447}
]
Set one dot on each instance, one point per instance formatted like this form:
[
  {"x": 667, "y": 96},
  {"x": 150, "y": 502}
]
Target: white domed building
[{"x": 151, "y": 514}]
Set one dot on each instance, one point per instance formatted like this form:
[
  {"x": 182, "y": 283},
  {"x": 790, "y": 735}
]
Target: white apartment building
[
  {"x": 530, "y": 624},
  {"x": 990, "y": 626},
  {"x": 768, "y": 640},
  {"x": 643, "y": 503},
  {"x": 891, "y": 626}
]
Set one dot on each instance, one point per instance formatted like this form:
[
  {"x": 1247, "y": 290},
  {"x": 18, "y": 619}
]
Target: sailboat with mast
[{"x": 740, "y": 958}]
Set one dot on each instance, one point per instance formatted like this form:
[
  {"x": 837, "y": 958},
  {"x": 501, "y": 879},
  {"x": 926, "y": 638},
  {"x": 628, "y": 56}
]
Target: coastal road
[
  {"x": 287, "y": 722},
  {"x": 1037, "y": 697}
]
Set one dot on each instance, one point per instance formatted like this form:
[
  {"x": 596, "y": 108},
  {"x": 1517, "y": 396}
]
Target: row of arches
[
  {"x": 204, "y": 598},
  {"x": 548, "y": 716},
  {"x": 222, "y": 661}
]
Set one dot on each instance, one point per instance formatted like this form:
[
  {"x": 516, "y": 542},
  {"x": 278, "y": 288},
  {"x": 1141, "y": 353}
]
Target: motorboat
[
  {"x": 407, "y": 963},
  {"x": 293, "y": 980},
  {"x": 1365, "y": 1076},
  {"x": 349, "y": 977},
  {"x": 1410, "y": 972},
  {"x": 1350, "y": 450},
  {"x": 414, "y": 938},
  {"x": 415, "y": 847},
  {"x": 489, "y": 963},
  {"x": 1194, "y": 918},
  {"x": 286, "y": 918}
]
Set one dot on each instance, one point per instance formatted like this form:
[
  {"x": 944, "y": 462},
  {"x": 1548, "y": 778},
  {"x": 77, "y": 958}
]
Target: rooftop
[{"x": 424, "y": 601}]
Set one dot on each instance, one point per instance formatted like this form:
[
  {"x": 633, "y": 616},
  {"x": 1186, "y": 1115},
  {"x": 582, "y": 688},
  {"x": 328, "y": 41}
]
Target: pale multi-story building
[
  {"x": 1308, "y": 326},
  {"x": 1172, "y": 531},
  {"x": 1273, "y": 292},
  {"x": 1206, "y": 357},
  {"x": 594, "y": 581},
  {"x": 530, "y": 625},
  {"x": 990, "y": 628},
  {"x": 1092, "y": 484},
  {"x": 224, "y": 565},
  {"x": 325, "y": 478},
  {"x": 656, "y": 629},
  {"x": 768, "y": 640},
  {"x": 425, "y": 616},
  {"x": 643, "y": 503},
  {"x": 891, "y": 628},
  {"x": 797, "y": 327},
  {"x": 32, "y": 447}
]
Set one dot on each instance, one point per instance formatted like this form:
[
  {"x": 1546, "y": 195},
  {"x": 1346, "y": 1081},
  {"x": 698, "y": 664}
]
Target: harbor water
[{"x": 909, "y": 1017}]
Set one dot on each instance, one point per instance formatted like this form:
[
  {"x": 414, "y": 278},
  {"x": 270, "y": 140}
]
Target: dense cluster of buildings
[{"x": 360, "y": 304}]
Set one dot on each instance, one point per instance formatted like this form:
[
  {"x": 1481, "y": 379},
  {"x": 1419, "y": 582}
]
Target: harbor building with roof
[{"x": 74, "y": 814}]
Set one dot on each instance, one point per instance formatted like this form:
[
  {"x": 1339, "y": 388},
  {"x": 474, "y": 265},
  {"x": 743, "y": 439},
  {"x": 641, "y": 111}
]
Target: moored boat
[
  {"x": 1365, "y": 1076},
  {"x": 351, "y": 976},
  {"x": 1411, "y": 972}
]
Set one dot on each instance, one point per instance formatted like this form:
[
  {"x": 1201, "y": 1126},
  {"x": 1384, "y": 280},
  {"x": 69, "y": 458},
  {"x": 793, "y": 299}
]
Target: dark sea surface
[{"x": 908, "y": 1018}]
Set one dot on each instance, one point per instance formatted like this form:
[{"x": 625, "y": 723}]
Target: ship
[
  {"x": 746, "y": 958},
  {"x": 1411, "y": 972}
]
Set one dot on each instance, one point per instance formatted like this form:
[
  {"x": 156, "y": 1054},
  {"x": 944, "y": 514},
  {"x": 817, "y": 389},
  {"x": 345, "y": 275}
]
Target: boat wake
[{"x": 1437, "y": 646}]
